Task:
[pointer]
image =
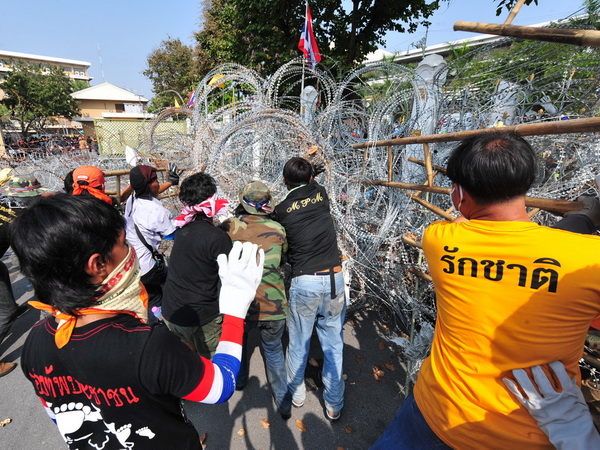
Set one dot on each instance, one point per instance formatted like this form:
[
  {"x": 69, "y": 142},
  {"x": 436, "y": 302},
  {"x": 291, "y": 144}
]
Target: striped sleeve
[{"x": 218, "y": 382}]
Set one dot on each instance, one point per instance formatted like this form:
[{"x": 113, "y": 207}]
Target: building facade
[{"x": 75, "y": 70}]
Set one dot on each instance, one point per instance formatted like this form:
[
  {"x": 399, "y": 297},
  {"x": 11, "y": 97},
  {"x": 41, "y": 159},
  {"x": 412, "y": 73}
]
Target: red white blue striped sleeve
[{"x": 218, "y": 382}]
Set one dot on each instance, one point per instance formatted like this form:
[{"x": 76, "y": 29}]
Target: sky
[{"x": 116, "y": 36}]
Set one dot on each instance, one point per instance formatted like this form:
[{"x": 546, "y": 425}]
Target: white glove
[
  {"x": 240, "y": 276},
  {"x": 563, "y": 416}
]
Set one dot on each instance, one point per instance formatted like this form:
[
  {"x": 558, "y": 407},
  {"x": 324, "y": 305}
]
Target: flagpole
[{"x": 303, "y": 62}]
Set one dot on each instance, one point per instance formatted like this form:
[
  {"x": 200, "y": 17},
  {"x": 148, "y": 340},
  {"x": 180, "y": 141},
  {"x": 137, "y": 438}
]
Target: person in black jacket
[
  {"x": 190, "y": 303},
  {"x": 317, "y": 287}
]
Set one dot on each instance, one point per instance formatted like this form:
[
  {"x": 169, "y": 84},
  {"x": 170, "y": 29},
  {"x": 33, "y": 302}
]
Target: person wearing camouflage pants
[{"x": 268, "y": 311}]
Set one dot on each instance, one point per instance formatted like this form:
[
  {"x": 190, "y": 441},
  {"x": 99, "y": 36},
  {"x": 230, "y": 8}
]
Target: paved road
[{"x": 370, "y": 404}]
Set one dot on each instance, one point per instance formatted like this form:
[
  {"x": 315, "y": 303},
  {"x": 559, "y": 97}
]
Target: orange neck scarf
[
  {"x": 121, "y": 293},
  {"x": 78, "y": 189}
]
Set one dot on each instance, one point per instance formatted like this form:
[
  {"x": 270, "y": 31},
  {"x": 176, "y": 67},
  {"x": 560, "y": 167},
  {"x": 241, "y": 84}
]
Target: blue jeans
[
  {"x": 271, "y": 332},
  {"x": 310, "y": 304},
  {"x": 408, "y": 431}
]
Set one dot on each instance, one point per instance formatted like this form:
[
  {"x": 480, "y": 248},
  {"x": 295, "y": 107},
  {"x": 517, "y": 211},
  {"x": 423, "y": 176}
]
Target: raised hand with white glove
[
  {"x": 240, "y": 275},
  {"x": 563, "y": 416}
]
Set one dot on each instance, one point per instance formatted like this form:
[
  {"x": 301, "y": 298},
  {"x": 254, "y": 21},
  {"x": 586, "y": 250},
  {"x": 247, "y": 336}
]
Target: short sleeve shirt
[
  {"x": 116, "y": 384},
  {"x": 509, "y": 295},
  {"x": 154, "y": 222}
]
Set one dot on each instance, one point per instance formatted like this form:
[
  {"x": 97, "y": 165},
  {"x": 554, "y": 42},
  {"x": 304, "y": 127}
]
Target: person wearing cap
[
  {"x": 252, "y": 223},
  {"x": 317, "y": 296},
  {"x": 108, "y": 379},
  {"x": 17, "y": 195},
  {"x": 89, "y": 180},
  {"x": 190, "y": 306},
  {"x": 148, "y": 220}
]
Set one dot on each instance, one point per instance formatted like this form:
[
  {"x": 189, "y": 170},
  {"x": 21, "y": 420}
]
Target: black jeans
[
  {"x": 8, "y": 305},
  {"x": 153, "y": 281}
]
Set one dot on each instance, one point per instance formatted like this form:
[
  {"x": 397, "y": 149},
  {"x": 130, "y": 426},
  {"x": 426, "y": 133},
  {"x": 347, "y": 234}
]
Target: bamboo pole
[
  {"x": 547, "y": 204},
  {"x": 439, "y": 211},
  {"x": 420, "y": 274},
  {"x": 514, "y": 12},
  {"x": 118, "y": 188},
  {"x": 427, "y": 154},
  {"x": 435, "y": 174},
  {"x": 582, "y": 38},
  {"x": 390, "y": 163},
  {"x": 420, "y": 162},
  {"x": 587, "y": 125},
  {"x": 364, "y": 163},
  {"x": 412, "y": 242}
]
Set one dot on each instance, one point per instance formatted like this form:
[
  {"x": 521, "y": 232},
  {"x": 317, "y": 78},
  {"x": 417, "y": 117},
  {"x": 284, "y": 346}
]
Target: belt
[{"x": 335, "y": 269}]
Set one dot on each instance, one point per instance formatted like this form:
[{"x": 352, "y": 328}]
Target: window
[{"x": 120, "y": 107}]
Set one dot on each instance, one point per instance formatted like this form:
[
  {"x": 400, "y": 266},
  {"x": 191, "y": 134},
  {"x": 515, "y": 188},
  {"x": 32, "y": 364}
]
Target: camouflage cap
[
  {"x": 256, "y": 198},
  {"x": 22, "y": 186}
]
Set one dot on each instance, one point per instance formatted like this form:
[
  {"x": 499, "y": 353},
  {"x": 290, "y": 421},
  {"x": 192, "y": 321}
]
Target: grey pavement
[{"x": 249, "y": 420}]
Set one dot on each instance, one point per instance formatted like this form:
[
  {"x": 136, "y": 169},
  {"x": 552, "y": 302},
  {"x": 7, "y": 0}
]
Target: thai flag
[
  {"x": 308, "y": 44},
  {"x": 192, "y": 99}
]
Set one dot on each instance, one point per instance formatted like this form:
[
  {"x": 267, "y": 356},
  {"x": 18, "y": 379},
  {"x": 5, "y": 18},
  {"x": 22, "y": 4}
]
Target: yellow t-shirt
[{"x": 509, "y": 295}]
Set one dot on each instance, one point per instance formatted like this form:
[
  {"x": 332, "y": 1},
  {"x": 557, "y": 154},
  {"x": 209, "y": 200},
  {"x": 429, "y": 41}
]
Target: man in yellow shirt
[{"x": 510, "y": 294}]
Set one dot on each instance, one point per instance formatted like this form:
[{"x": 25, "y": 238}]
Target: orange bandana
[
  {"x": 78, "y": 189},
  {"x": 120, "y": 292},
  {"x": 94, "y": 178}
]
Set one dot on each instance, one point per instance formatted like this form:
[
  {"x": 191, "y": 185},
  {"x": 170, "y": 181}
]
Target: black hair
[
  {"x": 493, "y": 167},
  {"x": 69, "y": 182},
  {"x": 297, "y": 171},
  {"x": 197, "y": 188},
  {"x": 54, "y": 239}
]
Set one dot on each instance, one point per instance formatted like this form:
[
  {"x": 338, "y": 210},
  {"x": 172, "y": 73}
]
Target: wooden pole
[
  {"x": 582, "y": 38},
  {"x": 365, "y": 159},
  {"x": 427, "y": 154},
  {"x": 514, "y": 12},
  {"x": 118, "y": 188},
  {"x": 587, "y": 125},
  {"x": 390, "y": 163},
  {"x": 547, "y": 204},
  {"x": 435, "y": 174},
  {"x": 439, "y": 211},
  {"x": 412, "y": 242},
  {"x": 420, "y": 162},
  {"x": 420, "y": 274}
]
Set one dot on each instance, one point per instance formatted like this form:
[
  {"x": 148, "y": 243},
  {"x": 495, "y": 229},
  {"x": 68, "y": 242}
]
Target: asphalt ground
[{"x": 249, "y": 420}]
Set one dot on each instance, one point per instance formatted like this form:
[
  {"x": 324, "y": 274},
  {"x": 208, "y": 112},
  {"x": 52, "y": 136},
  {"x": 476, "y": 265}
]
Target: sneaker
[
  {"x": 6, "y": 368},
  {"x": 332, "y": 416},
  {"x": 297, "y": 404}
]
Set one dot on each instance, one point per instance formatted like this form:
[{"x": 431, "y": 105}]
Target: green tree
[
  {"x": 263, "y": 34},
  {"x": 171, "y": 68},
  {"x": 33, "y": 98},
  {"x": 79, "y": 85},
  {"x": 508, "y": 4}
]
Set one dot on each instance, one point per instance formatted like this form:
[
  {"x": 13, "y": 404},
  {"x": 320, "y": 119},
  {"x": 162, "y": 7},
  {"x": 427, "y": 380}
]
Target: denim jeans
[
  {"x": 310, "y": 304},
  {"x": 409, "y": 431},
  {"x": 271, "y": 332}
]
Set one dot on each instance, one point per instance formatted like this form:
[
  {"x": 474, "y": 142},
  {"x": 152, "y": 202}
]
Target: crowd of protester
[{"x": 127, "y": 336}]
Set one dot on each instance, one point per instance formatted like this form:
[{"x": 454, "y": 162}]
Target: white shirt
[{"x": 154, "y": 222}]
